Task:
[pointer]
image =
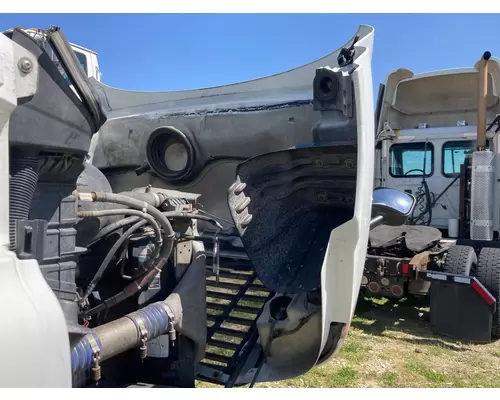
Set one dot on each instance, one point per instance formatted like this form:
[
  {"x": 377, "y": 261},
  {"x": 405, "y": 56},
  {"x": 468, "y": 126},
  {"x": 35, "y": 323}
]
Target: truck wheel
[
  {"x": 488, "y": 273},
  {"x": 460, "y": 260}
]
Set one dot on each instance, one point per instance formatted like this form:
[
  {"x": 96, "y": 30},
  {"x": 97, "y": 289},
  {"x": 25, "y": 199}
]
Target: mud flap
[{"x": 285, "y": 205}]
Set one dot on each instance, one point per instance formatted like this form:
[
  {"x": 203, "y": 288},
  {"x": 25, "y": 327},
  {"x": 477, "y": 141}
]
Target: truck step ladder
[{"x": 233, "y": 305}]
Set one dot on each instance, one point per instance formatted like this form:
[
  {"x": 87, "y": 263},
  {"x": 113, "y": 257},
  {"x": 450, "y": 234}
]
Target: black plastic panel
[
  {"x": 54, "y": 119},
  {"x": 285, "y": 205}
]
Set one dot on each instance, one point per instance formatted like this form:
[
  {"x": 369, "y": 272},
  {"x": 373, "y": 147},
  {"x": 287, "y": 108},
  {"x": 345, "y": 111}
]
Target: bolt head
[{"x": 25, "y": 65}]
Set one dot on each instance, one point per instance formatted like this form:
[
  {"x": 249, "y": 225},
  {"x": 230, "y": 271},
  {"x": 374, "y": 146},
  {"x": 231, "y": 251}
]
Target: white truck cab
[
  {"x": 430, "y": 119},
  {"x": 88, "y": 61}
]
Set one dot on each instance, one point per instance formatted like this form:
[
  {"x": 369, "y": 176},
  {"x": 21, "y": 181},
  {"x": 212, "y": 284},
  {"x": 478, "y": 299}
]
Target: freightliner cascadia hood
[{"x": 286, "y": 164}]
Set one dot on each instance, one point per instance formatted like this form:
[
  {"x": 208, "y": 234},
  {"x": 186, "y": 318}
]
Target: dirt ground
[{"x": 391, "y": 345}]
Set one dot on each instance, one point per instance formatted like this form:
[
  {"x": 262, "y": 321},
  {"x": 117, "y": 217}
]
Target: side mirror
[{"x": 391, "y": 207}]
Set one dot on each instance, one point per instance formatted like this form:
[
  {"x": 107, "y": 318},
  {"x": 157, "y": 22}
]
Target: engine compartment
[{"x": 110, "y": 259}]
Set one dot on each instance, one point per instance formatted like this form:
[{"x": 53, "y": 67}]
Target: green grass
[
  {"x": 428, "y": 373},
  {"x": 344, "y": 377},
  {"x": 389, "y": 379},
  {"x": 391, "y": 345}
]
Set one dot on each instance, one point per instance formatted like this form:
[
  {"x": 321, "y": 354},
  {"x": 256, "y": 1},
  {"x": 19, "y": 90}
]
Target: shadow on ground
[{"x": 410, "y": 315}]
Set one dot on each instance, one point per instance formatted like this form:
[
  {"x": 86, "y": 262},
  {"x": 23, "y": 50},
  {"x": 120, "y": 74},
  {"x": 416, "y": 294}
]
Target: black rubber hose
[
  {"x": 102, "y": 268},
  {"x": 182, "y": 214},
  {"x": 113, "y": 227},
  {"x": 125, "y": 211},
  {"x": 429, "y": 205},
  {"x": 429, "y": 202},
  {"x": 437, "y": 198},
  {"x": 123, "y": 222},
  {"x": 169, "y": 214},
  {"x": 23, "y": 181},
  {"x": 130, "y": 290},
  {"x": 105, "y": 263},
  {"x": 168, "y": 232}
]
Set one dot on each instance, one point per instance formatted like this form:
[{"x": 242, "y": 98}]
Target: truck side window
[
  {"x": 454, "y": 155},
  {"x": 82, "y": 58},
  {"x": 407, "y": 159}
]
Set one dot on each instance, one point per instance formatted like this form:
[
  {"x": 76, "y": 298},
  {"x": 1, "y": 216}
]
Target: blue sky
[{"x": 186, "y": 51}]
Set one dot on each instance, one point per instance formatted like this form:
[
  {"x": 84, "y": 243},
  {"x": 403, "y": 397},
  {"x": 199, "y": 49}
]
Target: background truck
[{"x": 437, "y": 139}]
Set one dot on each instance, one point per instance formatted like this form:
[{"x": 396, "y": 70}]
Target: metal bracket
[
  {"x": 346, "y": 55},
  {"x": 386, "y": 133},
  {"x": 30, "y": 239},
  {"x": 347, "y": 93},
  {"x": 333, "y": 90},
  {"x": 216, "y": 258},
  {"x": 333, "y": 97}
]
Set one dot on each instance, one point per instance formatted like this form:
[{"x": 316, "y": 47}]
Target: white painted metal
[
  {"x": 35, "y": 344},
  {"x": 345, "y": 256}
]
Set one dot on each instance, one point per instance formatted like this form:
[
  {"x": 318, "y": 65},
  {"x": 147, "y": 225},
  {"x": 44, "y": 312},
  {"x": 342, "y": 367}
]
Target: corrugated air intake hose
[{"x": 24, "y": 177}]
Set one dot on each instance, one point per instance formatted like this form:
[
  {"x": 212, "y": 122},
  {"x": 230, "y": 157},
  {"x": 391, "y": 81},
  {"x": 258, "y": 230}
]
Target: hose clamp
[
  {"x": 171, "y": 323},
  {"x": 143, "y": 338},
  {"x": 96, "y": 356},
  {"x": 167, "y": 309}
]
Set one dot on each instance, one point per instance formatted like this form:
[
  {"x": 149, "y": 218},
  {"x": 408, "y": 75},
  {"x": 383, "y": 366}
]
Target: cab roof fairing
[{"x": 400, "y": 76}]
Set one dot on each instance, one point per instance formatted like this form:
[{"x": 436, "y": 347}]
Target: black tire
[
  {"x": 460, "y": 260},
  {"x": 488, "y": 273}
]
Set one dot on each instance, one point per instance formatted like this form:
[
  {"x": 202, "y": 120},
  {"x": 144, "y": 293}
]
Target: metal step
[
  {"x": 222, "y": 344},
  {"x": 228, "y": 347},
  {"x": 231, "y": 332},
  {"x": 217, "y": 357}
]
